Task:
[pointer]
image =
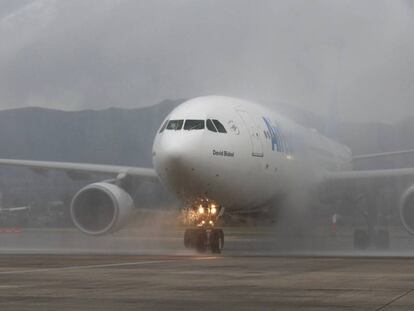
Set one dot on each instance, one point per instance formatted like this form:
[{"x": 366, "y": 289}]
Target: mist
[
  {"x": 253, "y": 209},
  {"x": 355, "y": 57},
  {"x": 344, "y": 68}
]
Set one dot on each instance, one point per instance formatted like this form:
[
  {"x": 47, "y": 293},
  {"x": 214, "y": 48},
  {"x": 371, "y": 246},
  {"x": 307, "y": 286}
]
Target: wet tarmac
[
  {"x": 120, "y": 282},
  {"x": 64, "y": 270},
  {"x": 152, "y": 240}
]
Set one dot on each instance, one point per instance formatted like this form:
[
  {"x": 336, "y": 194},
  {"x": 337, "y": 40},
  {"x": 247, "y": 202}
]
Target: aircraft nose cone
[
  {"x": 168, "y": 156},
  {"x": 175, "y": 163}
]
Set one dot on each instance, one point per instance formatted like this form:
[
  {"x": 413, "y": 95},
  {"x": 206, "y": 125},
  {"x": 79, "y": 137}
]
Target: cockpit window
[
  {"x": 210, "y": 126},
  {"x": 175, "y": 125},
  {"x": 220, "y": 127},
  {"x": 194, "y": 125},
  {"x": 163, "y": 126}
]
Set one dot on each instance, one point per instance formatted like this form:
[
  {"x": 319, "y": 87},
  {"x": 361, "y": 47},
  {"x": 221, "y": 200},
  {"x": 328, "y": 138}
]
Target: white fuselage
[{"x": 260, "y": 157}]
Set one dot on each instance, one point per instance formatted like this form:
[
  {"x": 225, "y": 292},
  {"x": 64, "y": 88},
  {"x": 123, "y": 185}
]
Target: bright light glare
[
  {"x": 201, "y": 210},
  {"x": 213, "y": 209}
]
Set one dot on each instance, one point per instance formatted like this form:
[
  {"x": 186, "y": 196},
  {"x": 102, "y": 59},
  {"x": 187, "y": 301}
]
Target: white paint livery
[{"x": 190, "y": 162}]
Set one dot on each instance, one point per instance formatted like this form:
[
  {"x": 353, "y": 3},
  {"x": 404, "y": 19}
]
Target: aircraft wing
[
  {"x": 383, "y": 154},
  {"x": 351, "y": 186},
  {"x": 370, "y": 175},
  {"x": 376, "y": 176},
  {"x": 79, "y": 170}
]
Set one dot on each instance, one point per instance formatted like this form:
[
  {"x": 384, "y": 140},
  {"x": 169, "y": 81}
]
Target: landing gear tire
[
  {"x": 216, "y": 240},
  {"x": 382, "y": 239},
  {"x": 361, "y": 239},
  {"x": 189, "y": 238},
  {"x": 201, "y": 240},
  {"x": 221, "y": 238}
]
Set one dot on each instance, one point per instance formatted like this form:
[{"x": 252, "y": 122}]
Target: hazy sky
[{"x": 98, "y": 53}]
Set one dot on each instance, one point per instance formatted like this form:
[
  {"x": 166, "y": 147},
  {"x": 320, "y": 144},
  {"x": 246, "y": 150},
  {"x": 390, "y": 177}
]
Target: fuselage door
[{"x": 254, "y": 132}]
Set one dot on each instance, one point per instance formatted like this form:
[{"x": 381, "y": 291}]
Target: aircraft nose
[
  {"x": 175, "y": 161},
  {"x": 169, "y": 155}
]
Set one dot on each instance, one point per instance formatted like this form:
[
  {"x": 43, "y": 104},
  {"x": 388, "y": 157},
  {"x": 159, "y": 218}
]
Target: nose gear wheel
[{"x": 201, "y": 239}]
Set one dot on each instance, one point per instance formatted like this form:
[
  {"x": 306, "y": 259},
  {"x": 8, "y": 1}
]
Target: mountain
[
  {"x": 125, "y": 136},
  {"x": 111, "y": 136}
]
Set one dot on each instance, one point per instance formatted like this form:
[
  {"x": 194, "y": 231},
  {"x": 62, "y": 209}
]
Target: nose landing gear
[
  {"x": 203, "y": 238},
  {"x": 203, "y": 215}
]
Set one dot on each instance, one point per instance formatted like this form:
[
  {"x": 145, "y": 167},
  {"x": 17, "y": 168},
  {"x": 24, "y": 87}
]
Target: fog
[
  {"x": 342, "y": 66},
  {"x": 356, "y": 56}
]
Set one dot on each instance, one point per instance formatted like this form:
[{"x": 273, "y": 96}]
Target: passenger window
[
  {"x": 194, "y": 125},
  {"x": 175, "y": 125},
  {"x": 163, "y": 126},
  {"x": 219, "y": 126},
  {"x": 210, "y": 126}
]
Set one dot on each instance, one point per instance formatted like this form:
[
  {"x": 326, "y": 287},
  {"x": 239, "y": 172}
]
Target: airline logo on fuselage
[{"x": 278, "y": 141}]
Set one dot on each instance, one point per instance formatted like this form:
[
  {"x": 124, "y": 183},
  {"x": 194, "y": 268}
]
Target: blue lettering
[
  {"x": 278, "y": 140},
  {"x": 273, "y": 135}
]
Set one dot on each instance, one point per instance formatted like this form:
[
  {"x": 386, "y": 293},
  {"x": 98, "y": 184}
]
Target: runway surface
[
  {"x": 65, "y": 270},
  {"x": 64, "y": 282},
  {"x": 153, "y": 240}
]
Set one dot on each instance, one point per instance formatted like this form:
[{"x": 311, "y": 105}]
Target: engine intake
[
  {"x": 101, "y": 208},
  {"x": 407, "y": 209}
]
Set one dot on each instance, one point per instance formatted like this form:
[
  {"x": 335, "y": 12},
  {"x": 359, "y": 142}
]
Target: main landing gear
[
  {"x": 376, "y": 223},
  {"x": 203, "y": 238},
  {"x": 380, "y": 239}
]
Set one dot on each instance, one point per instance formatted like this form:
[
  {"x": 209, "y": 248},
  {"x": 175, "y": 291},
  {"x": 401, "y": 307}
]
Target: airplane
[{"x": 222, "y": 155}]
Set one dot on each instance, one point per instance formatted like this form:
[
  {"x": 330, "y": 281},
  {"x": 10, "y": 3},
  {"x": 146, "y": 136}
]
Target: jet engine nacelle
[
  {"x": 407, "y": 209},
  {"x": 101, "y": 208}
]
